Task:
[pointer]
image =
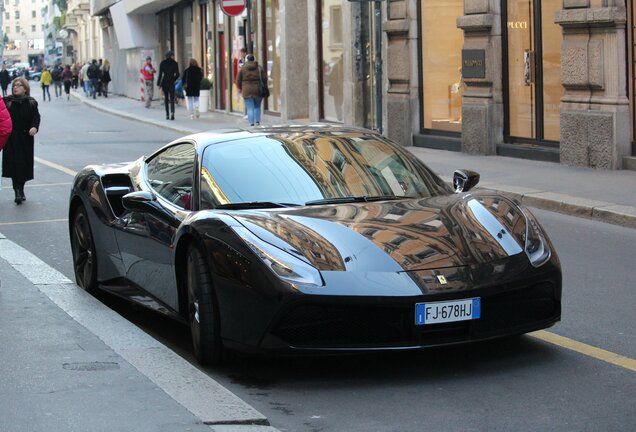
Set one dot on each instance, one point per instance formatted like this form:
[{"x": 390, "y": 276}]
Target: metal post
[
  {"x": 248, "y": 28},
  {"x": 378, "y": 65}
]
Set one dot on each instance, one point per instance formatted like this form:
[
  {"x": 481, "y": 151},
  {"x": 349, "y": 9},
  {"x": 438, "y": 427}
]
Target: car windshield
[{"x": 311, "y": 168}]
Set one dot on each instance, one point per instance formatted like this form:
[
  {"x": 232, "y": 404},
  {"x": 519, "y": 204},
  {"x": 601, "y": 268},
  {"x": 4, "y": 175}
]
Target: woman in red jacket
[
  {"x": 6, "y": 126},
  {"x": 17, "y": 161}
]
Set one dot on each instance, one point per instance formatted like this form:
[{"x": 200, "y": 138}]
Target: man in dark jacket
[
  {"x": 168, "y": 75},
  {"x": 93, "y": 73}
]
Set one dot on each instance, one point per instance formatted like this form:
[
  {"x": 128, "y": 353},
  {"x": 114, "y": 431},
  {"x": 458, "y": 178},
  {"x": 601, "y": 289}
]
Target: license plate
[{"x": 447, "y": 311}]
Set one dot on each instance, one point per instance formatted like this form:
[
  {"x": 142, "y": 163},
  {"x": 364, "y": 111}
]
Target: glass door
[
  {"x": 369, "y": 62},
  {"x": 533, "y": 71}
]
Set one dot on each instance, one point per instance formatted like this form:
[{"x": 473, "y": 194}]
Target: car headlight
[
  {"x": 284, "y": 265},
  {"x": 536, "y": 246}
]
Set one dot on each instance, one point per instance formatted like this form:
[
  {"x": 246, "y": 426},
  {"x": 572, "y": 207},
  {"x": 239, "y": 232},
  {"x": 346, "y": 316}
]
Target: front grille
[
  {"x": 359, "y": 326},
  {"x": 518, "y": 307}
]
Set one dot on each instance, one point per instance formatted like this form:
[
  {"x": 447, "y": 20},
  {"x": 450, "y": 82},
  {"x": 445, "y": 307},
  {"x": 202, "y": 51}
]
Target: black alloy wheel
[
  {"x": 203, "y": 312},
  {"x": 83, "y": 247}
]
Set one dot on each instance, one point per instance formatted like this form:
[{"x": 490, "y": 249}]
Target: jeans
[
  {"x": 253, "y": 106},
  {"x": 45, "y": 91},
  {"x": 169, "y": 97},
  {"x": 58, "y": 88},
  {"x": 93, "y": 87},
  {"x": 193, "y": 103}
]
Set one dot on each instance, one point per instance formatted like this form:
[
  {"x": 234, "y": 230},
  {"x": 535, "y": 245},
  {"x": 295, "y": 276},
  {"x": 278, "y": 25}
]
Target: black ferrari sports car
[{"x": 316, "y": 239}]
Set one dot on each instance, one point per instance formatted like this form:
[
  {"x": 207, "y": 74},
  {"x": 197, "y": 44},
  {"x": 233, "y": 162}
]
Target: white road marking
[{"x": 55, "y": 166}]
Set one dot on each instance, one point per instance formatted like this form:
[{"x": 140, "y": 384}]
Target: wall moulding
[{"x": 476, "y": 23}]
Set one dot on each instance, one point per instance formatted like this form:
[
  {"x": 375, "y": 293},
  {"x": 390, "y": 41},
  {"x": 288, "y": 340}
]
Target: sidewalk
[
  {"x": 608, "y": 196},
  {"x": 69, "y": 363}
]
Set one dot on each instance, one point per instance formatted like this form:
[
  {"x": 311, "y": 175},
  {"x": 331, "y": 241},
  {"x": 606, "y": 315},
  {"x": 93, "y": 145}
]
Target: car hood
[{"x": 406, "y": 235}]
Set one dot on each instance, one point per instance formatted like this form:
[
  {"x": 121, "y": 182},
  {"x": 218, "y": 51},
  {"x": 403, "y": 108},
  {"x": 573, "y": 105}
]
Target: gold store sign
[
  {"x": 473, "y": 63},
  {"x": 517, "y": 24}
]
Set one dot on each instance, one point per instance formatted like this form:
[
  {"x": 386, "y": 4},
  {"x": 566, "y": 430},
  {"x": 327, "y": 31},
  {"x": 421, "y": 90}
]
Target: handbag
[{"x": 264, "y": 90}]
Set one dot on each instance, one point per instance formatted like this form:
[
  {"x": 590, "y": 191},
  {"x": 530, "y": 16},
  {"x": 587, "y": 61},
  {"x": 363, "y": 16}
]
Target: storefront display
[{"x": 442, "y": 44}]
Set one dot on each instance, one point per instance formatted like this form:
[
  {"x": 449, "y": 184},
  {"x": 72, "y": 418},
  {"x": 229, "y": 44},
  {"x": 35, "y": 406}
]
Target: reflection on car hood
[{"x": 407, "y": 235}]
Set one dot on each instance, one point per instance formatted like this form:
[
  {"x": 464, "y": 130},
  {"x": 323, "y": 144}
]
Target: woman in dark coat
[
  {"x": 191, "y": 80},
  {"x": 17, "y": 161}
]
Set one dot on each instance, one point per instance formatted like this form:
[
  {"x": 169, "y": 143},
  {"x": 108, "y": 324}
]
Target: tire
[
  {"x": 83, "y": 248},
  {"x": 203, "y": 310}
]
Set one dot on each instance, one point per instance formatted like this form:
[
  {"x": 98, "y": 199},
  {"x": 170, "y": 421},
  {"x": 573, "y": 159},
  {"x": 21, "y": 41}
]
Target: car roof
[{"x": 218, "y": 136}]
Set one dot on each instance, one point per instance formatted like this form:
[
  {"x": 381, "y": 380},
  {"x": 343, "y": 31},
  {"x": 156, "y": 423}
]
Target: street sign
[{"x": 233, "y": 7}]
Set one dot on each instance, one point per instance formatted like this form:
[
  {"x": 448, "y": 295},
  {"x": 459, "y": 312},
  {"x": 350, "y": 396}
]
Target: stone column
[
  {"x": 482, "y": 99},
  {"x": 294, "y": 60},
  {"x": 594, "y": 110},
  {"x": 401, "y": 107}
]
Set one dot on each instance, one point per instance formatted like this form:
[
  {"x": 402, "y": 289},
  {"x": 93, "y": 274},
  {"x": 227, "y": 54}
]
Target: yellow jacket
[{"x": 45, "y": 78}]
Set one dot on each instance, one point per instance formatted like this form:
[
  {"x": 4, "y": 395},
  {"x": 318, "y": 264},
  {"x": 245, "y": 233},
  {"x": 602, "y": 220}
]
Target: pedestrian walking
[
  {"x": 5, "y": 79},
  {"x": 148, "y": 74},
  {"x": 17, "y": 162},
  {"x": 84, "y": 81},
  {"x": 191, "y": 79},
  {"x": 56, "y": 75},
  {"x": 92, "y": 73},
  {"x": 99, "y": 77},
  {"x": 75, "y": 70},
  {"x": 45, "y": 82},
  {"x": 251, "y": 78},
  {"x": 168, "y": 75},
  {"x": 105, "y": 77},
  {"x": 67, "y": 78}
]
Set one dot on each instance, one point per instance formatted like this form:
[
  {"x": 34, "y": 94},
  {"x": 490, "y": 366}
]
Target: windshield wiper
[
  {"x": 350, "y": 199},
  {"x": 254, "y": 205}
]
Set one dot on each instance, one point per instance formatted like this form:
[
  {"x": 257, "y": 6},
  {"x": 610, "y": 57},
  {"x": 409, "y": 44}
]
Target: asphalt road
[{"x": 521, "y": 384}]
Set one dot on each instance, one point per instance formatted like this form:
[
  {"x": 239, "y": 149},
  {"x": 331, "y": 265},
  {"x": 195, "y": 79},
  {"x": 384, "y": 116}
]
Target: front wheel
[
  {"x": 83, "y": 248},
  {"x": 203, "y": 310}
]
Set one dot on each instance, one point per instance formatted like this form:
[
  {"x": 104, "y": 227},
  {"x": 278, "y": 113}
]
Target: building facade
[
  {"x": 23, "y": 31},
  {"x": 550, "y": 80}
]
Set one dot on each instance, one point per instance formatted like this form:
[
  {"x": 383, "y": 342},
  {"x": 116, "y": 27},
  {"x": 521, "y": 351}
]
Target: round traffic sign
[{"x": 233, "y": 7}]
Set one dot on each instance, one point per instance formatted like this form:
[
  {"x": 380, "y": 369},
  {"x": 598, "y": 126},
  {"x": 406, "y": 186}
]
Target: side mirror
[
  {"x": 465, "y": 180},
  {"x": 141, "y": 201}
]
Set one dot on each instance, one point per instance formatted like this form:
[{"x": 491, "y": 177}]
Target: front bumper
[{"x": 370, "y": 324}]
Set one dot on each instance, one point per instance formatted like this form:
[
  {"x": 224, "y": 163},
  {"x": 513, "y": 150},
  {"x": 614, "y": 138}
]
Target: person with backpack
[
  {"x": 251, "y": 82},
  {"x": 56, "y": 75},
  {"x": 168, "y": 75}
]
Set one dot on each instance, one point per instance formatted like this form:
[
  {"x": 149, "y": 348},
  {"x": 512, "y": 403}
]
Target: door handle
[{"x": 528, "y": 67}]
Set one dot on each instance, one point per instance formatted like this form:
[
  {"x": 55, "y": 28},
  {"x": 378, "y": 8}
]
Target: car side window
[{"x": 170, "y": 174}]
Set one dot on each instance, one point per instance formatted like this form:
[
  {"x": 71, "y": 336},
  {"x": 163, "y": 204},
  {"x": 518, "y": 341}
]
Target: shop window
[
  {"x": 272, "y": 54},
  {"x": 335, "y": 28},
  {"x": 442, "y": 44}
]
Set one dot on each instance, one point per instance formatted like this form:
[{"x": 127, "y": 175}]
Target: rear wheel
[
  {"x": 83, "y": 248},
  {"x": 203, "y": 310}
]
